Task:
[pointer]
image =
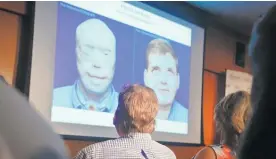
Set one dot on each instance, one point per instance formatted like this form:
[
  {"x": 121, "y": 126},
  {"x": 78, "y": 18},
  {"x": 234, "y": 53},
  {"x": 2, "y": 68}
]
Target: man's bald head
[{"x": 96, "y": 28}]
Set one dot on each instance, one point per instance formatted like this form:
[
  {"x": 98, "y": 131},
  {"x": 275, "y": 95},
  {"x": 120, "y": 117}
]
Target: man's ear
[
  {"x": 178, "y": 81},
  {"x": 146, "y": 77},
  {"x": 114, "y": 118}
]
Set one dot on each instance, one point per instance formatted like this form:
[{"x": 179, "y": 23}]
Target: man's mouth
[
  {"x": 164, "y": 90},
  {"x": 97, "y": 77}
]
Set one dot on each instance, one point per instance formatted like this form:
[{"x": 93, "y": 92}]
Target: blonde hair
[
  {"x": 232, "y": 114},
  {"x": 137, "y": 109}
]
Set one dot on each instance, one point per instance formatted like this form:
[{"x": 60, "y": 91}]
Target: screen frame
[{"x": 171, "y": 143}]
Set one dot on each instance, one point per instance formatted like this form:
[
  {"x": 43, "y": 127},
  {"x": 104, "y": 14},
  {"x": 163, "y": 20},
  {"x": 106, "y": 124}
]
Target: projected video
[{"x": 99, "y": 52}]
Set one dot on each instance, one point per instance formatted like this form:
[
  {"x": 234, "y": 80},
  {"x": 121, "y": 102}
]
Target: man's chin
[
  {"x": 165, "y": 104},
  {"x": 97, "y": 91}
]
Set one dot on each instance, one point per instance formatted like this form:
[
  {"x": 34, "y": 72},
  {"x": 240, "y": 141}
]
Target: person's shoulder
[
  {"x": 180, "y": 107},
  {"x": 113, "y": 101},
  {"x": 166, "y": 152},
  {"x": 115, "y": 97},
  {"x": 62, "y": 96},
  {"x": 85, "y": 153},
  {"x": 90, "y": 151},
  {"x": 63, "y": 90},
  {"x": 96, "y": 150},
  {"x": 180, "y": 112},
  {"x": 111, "y": 143},
  {"x": 100, "y": 145},
  {"x": 206, "y": 153},
  {"x": 116, "y": 93}
]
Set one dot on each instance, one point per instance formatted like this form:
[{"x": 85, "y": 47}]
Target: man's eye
[
  {"x": 171, "y": 71},
  {"x": 155, "y": 69},
  {"x": 106, "y": 52}
]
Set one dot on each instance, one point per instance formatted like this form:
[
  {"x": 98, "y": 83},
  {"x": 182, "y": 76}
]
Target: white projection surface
[{"x": 84, "y": 52}]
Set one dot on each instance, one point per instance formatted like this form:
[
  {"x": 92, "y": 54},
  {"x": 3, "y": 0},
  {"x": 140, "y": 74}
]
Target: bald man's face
[{"x": 96, "y": 57}]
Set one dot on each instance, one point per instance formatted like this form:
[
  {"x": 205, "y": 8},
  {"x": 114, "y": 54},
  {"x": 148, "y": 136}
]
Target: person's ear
[
  {"x": 115, "y": 117},
  {"x": 146, "y": 77},
  {"x": 239, "y": 130},
  {"x": 178, "y": 81},
  {"x": 114, "y": 120}
]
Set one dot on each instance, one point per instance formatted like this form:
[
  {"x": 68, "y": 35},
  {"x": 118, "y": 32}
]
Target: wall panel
[{"x": 9, "y": 34}]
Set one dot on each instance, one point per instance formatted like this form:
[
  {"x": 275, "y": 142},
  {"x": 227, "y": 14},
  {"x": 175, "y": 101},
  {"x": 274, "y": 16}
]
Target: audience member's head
[
  {"x": 259, "y": 138},
  {"x": 262, "y": 50},
  {"x": 231, "y": 115},
  {"x": 24, "y": 133},
  {"x": 137, "y": 109}
]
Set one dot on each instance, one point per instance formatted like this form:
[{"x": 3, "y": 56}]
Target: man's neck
[
  {"x": 165, "y": 107},
  {"x": 164, "y": 112},
  {"x": 92, "y": 96}
]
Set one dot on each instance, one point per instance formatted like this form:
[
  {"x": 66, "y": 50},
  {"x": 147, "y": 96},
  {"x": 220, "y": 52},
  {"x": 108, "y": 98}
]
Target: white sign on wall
[{"x": 237, "y": 81}]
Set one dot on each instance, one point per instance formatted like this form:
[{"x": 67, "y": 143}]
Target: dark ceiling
[{"x": 238, "y": 15}]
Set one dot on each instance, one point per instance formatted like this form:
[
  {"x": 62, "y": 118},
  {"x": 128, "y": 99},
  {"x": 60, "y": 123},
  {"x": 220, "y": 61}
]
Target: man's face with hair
[
  {"x": 96, "y": 57},
  {"x": 162, "y": 76}
]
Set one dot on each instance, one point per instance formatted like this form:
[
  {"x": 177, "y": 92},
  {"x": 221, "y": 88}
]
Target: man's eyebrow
[
  {"x": 155, "y": 67},
  {"x": 171, "y": 69},
  {"x": 90, "y": 46}
]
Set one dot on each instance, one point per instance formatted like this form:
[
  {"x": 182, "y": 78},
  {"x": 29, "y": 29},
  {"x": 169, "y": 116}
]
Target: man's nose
[
  {"x": 96, "y": 66},
  {"x": 163, "y": 78},
  {"x": 163, "y": 82}
]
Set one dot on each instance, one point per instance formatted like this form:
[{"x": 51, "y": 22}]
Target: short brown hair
[
  {"x": 232, "y": 112},
  {"x": 137, "y": 109},
  {"x": 160, "y": 46}
]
